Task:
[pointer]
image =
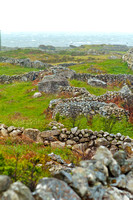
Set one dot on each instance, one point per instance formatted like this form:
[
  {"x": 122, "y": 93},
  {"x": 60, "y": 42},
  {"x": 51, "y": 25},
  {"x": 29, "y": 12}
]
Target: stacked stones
[
  {"x": 75, "y": 138},
  {"x": 86, "y": 103},
  {"x": 5, "y": 79},
  {"x": 108, "y": 78},
  {"x": 89, "y": 107},
  {"x": 25, "y": 62}
]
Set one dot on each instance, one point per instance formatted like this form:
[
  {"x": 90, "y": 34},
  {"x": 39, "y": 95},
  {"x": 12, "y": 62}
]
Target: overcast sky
[{"x": 67, "y": 15}]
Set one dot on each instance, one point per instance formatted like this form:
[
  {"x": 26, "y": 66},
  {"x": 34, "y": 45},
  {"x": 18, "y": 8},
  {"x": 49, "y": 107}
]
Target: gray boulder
[
  {"x": 51, "y": 83},
  {"x": 52, "y": 188},
  {"x": 17, "y": 191}
]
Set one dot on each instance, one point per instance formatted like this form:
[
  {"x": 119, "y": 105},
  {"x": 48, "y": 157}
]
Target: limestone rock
[
  {"x": 52, "y": 188},
  {"x": 57, "y": 144},
  {"x": 51, "y": 83},
  {"x": 5, "y": 182},
  {"x": 37, "y": 94},
  {"x": 17, "y": 191},
  {"x": 4, "y": 132},
  {"x": 31, "y": 133}
]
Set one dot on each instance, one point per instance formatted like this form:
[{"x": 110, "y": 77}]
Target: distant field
[
  {"x": 107, "y": 66},
  {"x": 10, "y": 69}
]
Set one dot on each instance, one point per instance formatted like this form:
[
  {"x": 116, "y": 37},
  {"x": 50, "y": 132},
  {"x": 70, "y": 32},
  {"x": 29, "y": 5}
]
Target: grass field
[
  {"x": 107, "y": 66},
  {"x": 10, "y": 69},
  {"x": 19, "y": 108}
]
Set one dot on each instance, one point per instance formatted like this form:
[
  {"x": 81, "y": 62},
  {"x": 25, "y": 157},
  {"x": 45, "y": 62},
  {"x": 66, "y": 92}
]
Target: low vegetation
[
  {"x": 10, "y": 69},
  {"x": 26, "y": 161}
]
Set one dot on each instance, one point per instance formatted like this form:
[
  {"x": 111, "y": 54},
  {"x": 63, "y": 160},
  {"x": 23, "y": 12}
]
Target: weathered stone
[
  {"x": 114, "y": 168},
  {"x": 113, "y": 193},
  {"x": 127, "y": 139},
  {"x": 17, "y": 191},
  {"x": 5, "y": 182},
  {"x": 10, "y": 129},
  {"x": 51, "y": 188},
  {"x": 37, "y": 94},
  {"x": 101, "y": 142},
  {"x": 74, "y": 130},
  {"x": 103, "y": 155},
  {"x": 120, "y": 157},
  {"x": 125, "y": 89},
  {"x": 81, "y": 146},
  {"x": 129, "y": 183},
  {"x": 57, "y": 144},
  {"x": 31, "y": 133},
  {"x": 51, "y": 83},
  {"x": 4, "y": 132},
  {"x": 70, "y": 142},
  {"x": 127, "y": 166},
  {"x": 3, "y": 126},
  {"x": 50, "y": 135},
  {"x": 15, "y": 133},
  {"x": 84, "y": 140}
]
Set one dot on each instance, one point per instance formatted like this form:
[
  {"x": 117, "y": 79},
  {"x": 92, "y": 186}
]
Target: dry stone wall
[
  {"x": 77, "y": 139},
  {"x": 31, "y": 76},
  {"x": 83, "y": 103},
  {"x": 108, "y": 78},
  {"x": 25, "y": 62}
]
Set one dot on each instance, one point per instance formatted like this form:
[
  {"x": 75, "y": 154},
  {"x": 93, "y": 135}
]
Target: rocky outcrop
[
  {"x": 128, "y": 57},
  {"x": 51, "y": 83}
]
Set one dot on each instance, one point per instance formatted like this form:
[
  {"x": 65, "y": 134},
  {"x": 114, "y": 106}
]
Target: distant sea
[{"x": 60, "y": 39}]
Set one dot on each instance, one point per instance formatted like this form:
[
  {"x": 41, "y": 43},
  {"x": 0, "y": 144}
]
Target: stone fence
[
  {"x": 75, "y": 138},
  {"x": 84, "y": 103},
  {"x": 25, "y": 62},
  {"x": 78, "y": 94},
  {"x": 31, "y": 76},
  {"x": 108, "y": 78}
]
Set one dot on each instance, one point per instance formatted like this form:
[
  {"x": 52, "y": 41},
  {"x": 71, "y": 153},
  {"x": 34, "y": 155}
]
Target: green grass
[
  {"x": 27, "y": 162},
  {"x": 98, "y": 123},
  {"x": 10, "y": 69},
  {"x": 93, "y": 90},
  {"x": 107, "y": 66},
  {"x": 18, "y": 108}
]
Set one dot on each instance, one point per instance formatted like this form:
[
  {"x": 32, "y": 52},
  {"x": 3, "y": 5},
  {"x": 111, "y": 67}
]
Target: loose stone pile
[{"x": 105, "y": 176}]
